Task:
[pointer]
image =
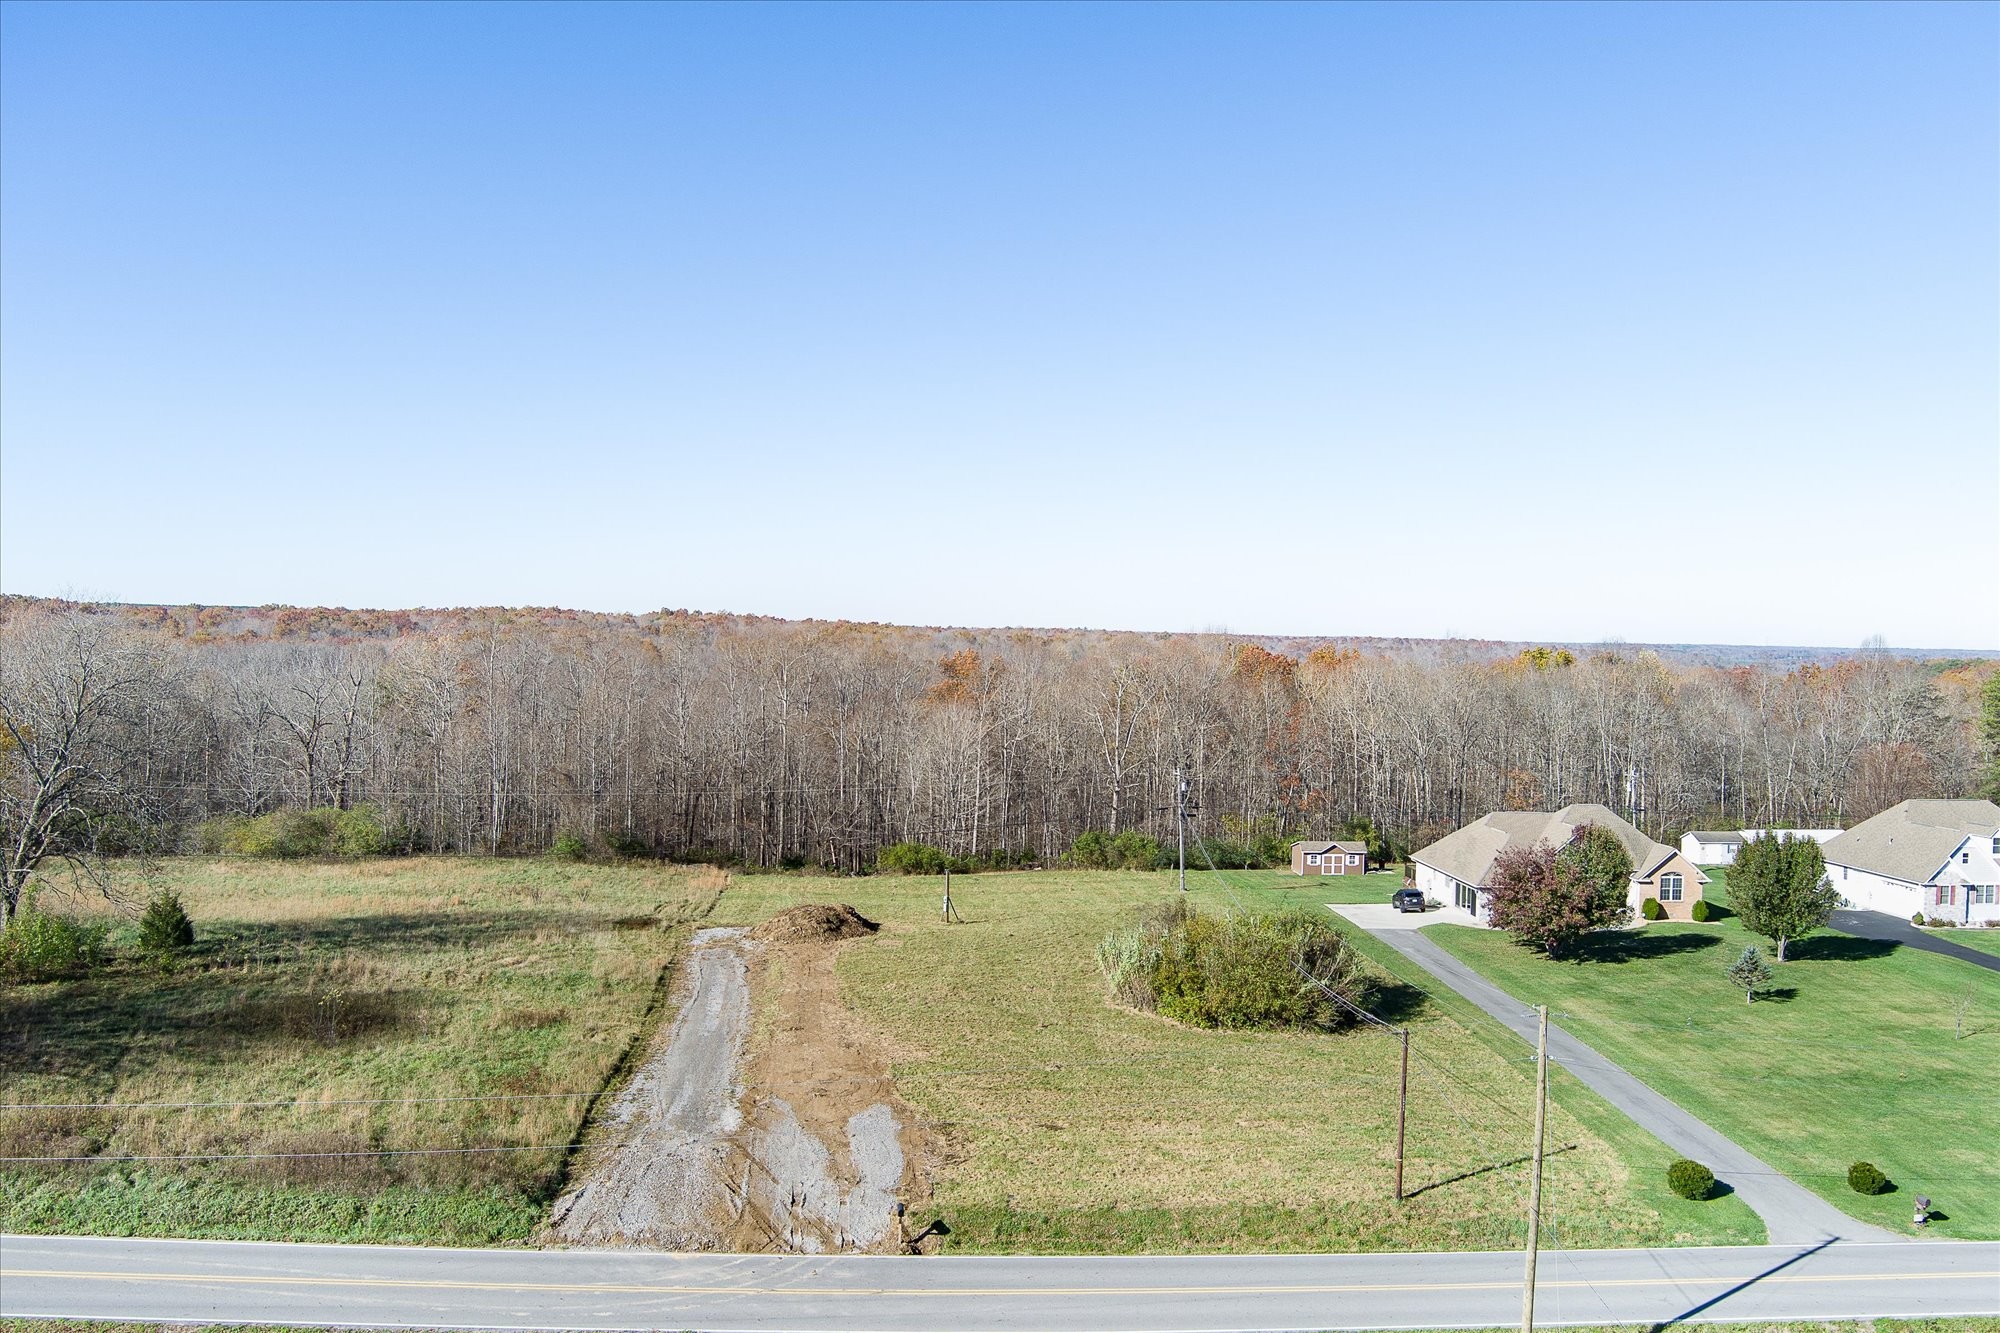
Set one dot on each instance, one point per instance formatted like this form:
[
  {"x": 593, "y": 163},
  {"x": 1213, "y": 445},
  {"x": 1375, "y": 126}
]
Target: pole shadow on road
[{"x": 1744, "y": 1285}]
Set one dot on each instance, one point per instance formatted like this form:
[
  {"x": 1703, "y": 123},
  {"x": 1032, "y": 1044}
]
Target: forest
[{"x": 764, "y": 742}]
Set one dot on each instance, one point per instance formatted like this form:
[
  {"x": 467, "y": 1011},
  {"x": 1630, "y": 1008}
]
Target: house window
[
  {"x": 1996, "y": 844},
  {"x": 1353, "y": 860},
  {"x": 1947, "y": 895},
  {"x": 1312, "y": 858},
  {"x": 1982, "y": 895},
  {"x": 1965, "y": 858},
  {"x": 1670, "y": 888},
  {"x": 1468, "y": 897}
]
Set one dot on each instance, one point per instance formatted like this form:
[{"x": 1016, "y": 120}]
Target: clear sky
[{"x": 1656, "y": 322}]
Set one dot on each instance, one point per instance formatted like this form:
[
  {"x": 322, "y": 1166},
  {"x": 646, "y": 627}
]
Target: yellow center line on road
[{"x": 685, "y": 1289}]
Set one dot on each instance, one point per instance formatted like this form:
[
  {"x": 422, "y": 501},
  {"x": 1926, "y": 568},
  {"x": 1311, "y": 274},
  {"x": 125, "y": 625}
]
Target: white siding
[{"x": 1436, "y": 884}]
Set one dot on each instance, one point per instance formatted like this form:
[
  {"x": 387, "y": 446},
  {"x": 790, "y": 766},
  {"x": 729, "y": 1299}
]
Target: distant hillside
[{"x": 203, "y": 624}]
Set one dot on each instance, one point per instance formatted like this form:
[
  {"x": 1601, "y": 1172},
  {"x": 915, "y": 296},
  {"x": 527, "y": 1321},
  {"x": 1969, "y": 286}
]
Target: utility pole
[
  {"x": 1535, "y": 1177},
  {"x": 1183, "y": 810},
  {"x": 1402, "y": 1114}
]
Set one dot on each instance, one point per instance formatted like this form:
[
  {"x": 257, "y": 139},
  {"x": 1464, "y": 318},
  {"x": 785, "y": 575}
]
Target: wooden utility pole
[
  {"x": 1402, "y": 1113},
  {"x": 1180, "y": 820},
  {"x": 1535, "y": 1177}
]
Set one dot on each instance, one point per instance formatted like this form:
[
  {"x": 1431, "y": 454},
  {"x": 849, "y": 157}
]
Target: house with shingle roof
[
  {"x": 1456, "y": 869},
  {"x": 1929, "y": 858},
  {"x": 1707, "y": 847}
]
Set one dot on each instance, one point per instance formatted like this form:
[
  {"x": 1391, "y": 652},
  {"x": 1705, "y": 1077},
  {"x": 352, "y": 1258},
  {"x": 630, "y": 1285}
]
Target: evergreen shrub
[
  {"x": 1866, "y": 1178},
  {"x": 1690, "y": 1179}
]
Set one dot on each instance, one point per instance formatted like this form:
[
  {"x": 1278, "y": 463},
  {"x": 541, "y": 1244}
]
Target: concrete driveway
[{"x": 1377, "y": 917}]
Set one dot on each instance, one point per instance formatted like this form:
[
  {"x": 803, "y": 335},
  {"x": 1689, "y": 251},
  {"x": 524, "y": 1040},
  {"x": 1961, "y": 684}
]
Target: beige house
[
  {"x": 1329, "y": 858},
  {"x": 1454, "y": 869}
]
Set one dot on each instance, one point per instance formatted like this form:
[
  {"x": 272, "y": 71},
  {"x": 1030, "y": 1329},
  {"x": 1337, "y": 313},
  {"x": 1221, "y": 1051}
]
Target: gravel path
[{"x": 664, "y": 1184}]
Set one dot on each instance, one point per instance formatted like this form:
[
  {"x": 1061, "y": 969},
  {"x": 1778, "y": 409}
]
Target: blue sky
[{"x": 1664, "y": 323}]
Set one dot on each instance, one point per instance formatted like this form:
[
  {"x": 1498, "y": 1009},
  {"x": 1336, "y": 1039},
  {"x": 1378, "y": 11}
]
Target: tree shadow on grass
[
  {"x": 244, "y": 986},
  {"x": 1838, "y": 949},
  {"x": 1628, "y": 946},
  {"x": 1396, "y": 1003}
]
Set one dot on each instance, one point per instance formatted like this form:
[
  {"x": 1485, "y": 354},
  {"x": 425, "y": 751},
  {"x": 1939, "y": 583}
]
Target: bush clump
[
  {"x": 1651, "y": 909},
  {"x": 297, "y": 834},
  {"x": 1271, "y": 970},
  {"x": 1690, "y": 1179},
  {"x": 1701, "y": 911},
  {"x": 165, "y": 929},
  {"x": 1866, "y": 1178},
  {"x": 568, "y": 847},
  {"x": 1130, "y": 850},
  {"x": 918, "y": 858},
  {"x": 43, "y": 946}
]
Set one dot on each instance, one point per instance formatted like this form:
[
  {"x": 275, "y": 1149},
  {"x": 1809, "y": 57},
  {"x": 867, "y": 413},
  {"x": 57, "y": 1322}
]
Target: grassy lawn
[
  {"x": 1986, "y": 941},
  {"x": 340, "y": 990},
  {"x": 335, "y": 991},
  {"x": 1854, "y": 1056},
  {"x": 1076, "y": 1126}
]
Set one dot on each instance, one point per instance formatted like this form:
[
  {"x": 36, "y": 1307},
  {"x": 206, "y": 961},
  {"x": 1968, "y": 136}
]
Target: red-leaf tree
[{"x": 1549, "y": 898}]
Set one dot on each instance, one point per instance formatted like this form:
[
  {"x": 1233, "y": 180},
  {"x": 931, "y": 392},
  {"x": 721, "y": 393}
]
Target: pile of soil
[{"x": 813, "y": 923}]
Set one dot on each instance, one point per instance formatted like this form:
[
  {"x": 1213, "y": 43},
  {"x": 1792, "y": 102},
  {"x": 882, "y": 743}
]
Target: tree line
[{"x": 817, "y": 744}]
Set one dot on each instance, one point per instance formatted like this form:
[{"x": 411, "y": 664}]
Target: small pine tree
[
  {"x": 1750, "y": 971},
  {"x": 165, "y": 929}
]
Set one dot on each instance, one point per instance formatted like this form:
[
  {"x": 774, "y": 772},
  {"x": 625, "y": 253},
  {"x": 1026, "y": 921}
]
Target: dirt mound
[{"x": 812, "y": 923}]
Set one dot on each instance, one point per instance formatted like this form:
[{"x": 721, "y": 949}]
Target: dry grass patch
[{"x": 318, "y": 1001}]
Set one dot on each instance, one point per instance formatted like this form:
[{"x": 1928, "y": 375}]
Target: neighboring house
[
  {"x": 1706, "y": 848},
  {"x": 1711, "y": 848},
  {"x": 1455, "y": 868},
  {"x": 1329, "y": 858},
  {"x": 1937, "y": 858}
]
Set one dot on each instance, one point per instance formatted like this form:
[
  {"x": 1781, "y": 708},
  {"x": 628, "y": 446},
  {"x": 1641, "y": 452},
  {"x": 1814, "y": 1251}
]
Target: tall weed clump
[
  {"x": 1267, "y": 970},
  {"x": 44, "y": 946},
  {"x": 297, "y": 834}
]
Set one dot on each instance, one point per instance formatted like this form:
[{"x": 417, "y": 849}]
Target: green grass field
[
  {"x": 1077, "y": 1126},
  {"x": 338, "y": 990},
  {"x": 1986, "y": 941},
  {"x": 1854, "y": 1055}
]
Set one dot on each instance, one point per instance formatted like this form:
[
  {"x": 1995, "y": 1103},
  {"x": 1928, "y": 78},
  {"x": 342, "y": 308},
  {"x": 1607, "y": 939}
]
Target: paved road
[
  {"x": 381, "y": 1286},
  {"x": 1882, "y": 926},
  {"x": 1792, "y": 1213}
]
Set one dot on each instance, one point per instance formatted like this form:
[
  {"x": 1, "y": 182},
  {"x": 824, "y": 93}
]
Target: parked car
[{"x": 1408, "y": 900}]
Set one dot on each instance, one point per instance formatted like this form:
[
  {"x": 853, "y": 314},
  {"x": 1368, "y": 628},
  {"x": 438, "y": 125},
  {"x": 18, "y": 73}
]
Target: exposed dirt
[
  {"x": 814, "y": 923},
  {"x": 828, "y": 1147},
  {"x": 800, "y": 1146}
]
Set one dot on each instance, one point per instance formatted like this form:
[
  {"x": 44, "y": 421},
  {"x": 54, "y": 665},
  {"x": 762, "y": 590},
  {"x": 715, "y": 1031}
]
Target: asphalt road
[
  {"x": 1792, "y": 1214},
  {"x": 382, "y": 1286}
]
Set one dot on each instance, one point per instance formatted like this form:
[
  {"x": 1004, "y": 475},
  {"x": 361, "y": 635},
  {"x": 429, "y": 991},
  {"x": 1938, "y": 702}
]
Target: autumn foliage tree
[{"x": 1549, "y": 898}]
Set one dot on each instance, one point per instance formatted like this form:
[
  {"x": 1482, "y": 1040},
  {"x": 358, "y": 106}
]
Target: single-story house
[
  {"x": 1719, "y": 848},
  {"x": 1938, "y": 858},
  {"x": 1707, "y": 847},
  {"x": 1329, "y": 858},
  {"x": 1455, "y": 869}
]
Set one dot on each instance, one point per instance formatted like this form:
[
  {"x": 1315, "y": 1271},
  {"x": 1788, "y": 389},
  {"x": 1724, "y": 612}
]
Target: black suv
[{"x": 1408, "y": 900}]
